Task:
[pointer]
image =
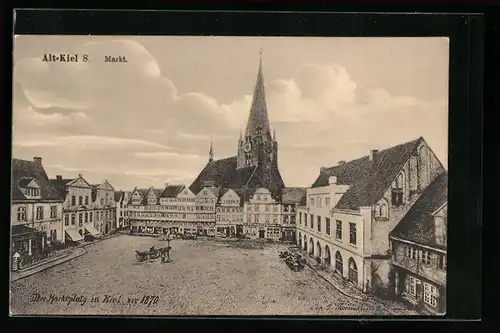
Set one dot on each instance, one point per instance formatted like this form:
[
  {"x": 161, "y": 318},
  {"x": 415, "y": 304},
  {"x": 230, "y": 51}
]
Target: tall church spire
[
  {"x": 258, "y": 121},
  {"x": 211, "y": 153}
]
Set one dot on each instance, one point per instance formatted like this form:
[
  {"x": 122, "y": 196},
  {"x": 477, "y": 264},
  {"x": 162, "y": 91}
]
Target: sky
[{"x": 150, "y": 121}]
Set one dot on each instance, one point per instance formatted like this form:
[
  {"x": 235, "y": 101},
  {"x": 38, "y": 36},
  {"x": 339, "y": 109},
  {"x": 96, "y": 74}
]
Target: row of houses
[
  {"x": 46, "y": 212},
  {"x": 214, "y": 211},
  {"x": 380, "y": 222}
]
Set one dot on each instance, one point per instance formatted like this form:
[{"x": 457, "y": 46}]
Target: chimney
[
  {"x": 341, "y": 162},
  {"x": 59, "y": 177},
  {"x": 80, "y": 175},
  {"x": 372, "y": 154},
  {"x": 332, "y": 180},
  {"x": 322, "y": 170},
  {"x": 37, "y": 160}
]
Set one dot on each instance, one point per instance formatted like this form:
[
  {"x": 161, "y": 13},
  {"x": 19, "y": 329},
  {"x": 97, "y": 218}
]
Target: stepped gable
[
  {"x": 418, "y": 224},
  {"x": 368, "y": 180},
  {"x": 23, "y": 169}
]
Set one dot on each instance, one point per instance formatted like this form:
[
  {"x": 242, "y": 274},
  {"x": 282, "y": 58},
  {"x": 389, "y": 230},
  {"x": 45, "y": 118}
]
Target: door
[{"x": 262, "y": 233}]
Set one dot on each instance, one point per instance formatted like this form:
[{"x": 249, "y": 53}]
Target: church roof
[
  {"x": 258, "y": 118},
  {"x": 368, "y": 180},
  {"x": 22, "y": 169},
  {"x": 222, "y": 173},
  {"x": 418, "y": 224}
]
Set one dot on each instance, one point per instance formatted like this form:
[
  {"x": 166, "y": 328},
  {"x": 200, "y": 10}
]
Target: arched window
[
  {"x": 353, "y": 271},
  {"x": 376, "y": 211},
  {"x": 305, "y": 243},
  {"x": 339, "y": 265},
  {"x": 400, "y": 181},
  {"x": 318, "y": 249},
  {"x": 383, "y": 211},
  {"x": 300, "y": 240},
  {"x": 311, "y": 244},
  {"x": 327, "y": 255}
]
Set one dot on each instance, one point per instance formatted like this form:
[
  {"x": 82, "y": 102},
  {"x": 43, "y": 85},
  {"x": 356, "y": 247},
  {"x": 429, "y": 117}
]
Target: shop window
[{"x": 430, "y": 294}]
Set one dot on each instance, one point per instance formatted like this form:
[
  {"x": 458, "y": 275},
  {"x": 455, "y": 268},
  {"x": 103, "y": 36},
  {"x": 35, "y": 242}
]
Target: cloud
[{"x": 135, "y": 112}]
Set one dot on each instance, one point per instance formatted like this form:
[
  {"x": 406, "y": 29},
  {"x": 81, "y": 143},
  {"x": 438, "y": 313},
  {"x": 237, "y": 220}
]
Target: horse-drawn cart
[{"x": 151, "y": 254}]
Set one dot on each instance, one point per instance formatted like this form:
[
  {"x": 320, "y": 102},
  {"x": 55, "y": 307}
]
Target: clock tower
[{"x": 257, "y": 146}]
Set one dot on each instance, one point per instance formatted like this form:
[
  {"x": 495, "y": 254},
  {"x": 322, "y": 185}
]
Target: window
[
  {"x": 353, "y": 271},
  {"x": 275, "y": 208},
  {"x": 53, "y": 212},
  {"x": 430, "y": 294},
  {"x": 400, "y": 180},
  {"x": 319, "y": 223},
  {"x": 411, "y": 252},
  {"x": 86, "y": 199},
  {"x": 383, "y": 211},
  {"x": 21, "y": 213},
  {"x": 397, "y": 198},
  {"x": 86, "y": 217},
  {"x": 80, "y": 219},
  {"x": 90, "y": 217},
  {"x": 376, "y": 211},
  {"x": 338, "y": 263},
  {"x": 426, "y": 257},
  {"x": 80, "y": 200},
  {"x": 266, "y": 208},
  {"x": 352, "y": 233},
  {"x": 327, "y": 202},
  {"x": 327, "y": 222},
  {"x": 311, "y": 221},
  {"x": 441, "y": 262},
  {"x": 312, "y": 202},
  {"x": 102, "y": 201},
  {"x": 338, "y": 230},
  {"x": 73, "y": 200},
  {"x": 39, "y": 213},
  {"x": 249, "y": 208},
  {"x": 411, "y": 287},
  {"x": 73, "y": 218},
  {"x": 318, "y": 202},
  {"x": 66, "y": 220}
]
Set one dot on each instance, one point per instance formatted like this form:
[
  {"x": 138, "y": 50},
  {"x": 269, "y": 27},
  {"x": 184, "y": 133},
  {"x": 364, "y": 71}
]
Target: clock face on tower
[{"x": 247, "y": 147}]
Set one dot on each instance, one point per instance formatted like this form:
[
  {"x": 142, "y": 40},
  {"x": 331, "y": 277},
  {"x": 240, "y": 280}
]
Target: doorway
[{"x": 262, "y": 233}]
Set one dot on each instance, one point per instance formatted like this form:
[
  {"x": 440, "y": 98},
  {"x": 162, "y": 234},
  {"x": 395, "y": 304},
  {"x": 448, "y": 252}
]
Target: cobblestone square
[{"x": 206, "y": 277}]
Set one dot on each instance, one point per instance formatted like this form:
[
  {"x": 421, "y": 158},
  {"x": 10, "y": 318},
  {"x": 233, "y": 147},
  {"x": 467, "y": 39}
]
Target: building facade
[
  {"x": 229, "y": 214},
  {"x": 206, "y": 201},
  {"x": 36, "y": 209},
  {"x": 352, "y": 208},
  {"x": 161, "y": 211},
  {"x": 262, "y": 216},
  {"x": 418, "y": 245},
  {"x": 89, "y": 210}
]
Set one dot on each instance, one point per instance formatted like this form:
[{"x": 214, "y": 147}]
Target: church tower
[{"x": 257, "y": 146}]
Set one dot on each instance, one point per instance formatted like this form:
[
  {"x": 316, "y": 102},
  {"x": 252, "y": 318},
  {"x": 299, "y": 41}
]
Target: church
[{"x": 256, "y": 162}]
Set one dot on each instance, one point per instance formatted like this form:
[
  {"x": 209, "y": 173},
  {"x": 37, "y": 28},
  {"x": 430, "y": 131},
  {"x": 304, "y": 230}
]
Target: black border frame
[{"x": 465, "y": 102}]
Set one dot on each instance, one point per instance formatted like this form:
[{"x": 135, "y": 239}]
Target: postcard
[{"x": 229, "y": 176}]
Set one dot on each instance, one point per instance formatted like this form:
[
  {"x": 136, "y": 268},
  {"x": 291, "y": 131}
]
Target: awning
[
  {"x": 91, "y": 230},
  {"x": 20, "y": 232},
  {"x": 74, "y": 235}
]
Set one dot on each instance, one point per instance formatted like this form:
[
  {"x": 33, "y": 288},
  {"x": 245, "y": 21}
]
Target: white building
[
  {"x": 262, "y": 216},
  {"x": 352, "y": 207}
]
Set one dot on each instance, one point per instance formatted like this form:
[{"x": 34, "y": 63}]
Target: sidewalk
[
  {"x": 348, "y": 289},
  {"x": 47, "y": 264}
]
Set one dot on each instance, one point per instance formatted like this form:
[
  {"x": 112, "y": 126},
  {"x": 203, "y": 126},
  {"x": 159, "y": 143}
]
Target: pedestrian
[{"x": 163, "y": 256}]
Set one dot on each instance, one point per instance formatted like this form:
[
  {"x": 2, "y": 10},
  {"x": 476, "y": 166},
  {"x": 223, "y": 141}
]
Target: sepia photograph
[{"x": 229, "y": 176}]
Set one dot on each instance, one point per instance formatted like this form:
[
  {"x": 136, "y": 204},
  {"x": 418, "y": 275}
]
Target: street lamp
[{"x": 169, "y": 238}]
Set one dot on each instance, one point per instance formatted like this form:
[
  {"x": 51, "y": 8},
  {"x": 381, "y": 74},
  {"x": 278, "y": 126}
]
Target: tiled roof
[
  {"x": 294, "y": 195},
  {"x": 171, "y": 191},
  {"x": 222, "y": 173},
  {"x": 28, "y": 169},
  {"x": 60, "y": 186},
  {"x": 23, "y": 182},
  {"x": 118, "y": 195},
  {"x": 368, "y": 180},
  {"x": 418, "y": 223}
]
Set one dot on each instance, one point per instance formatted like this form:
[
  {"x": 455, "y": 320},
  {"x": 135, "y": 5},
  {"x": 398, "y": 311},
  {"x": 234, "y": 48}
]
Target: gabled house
[
  {"x": 229, "y": 213},
  {"x": 36, "y": 208},
  {"x": 352, "y": 207},
  {"x": 418, "y": 244}
]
